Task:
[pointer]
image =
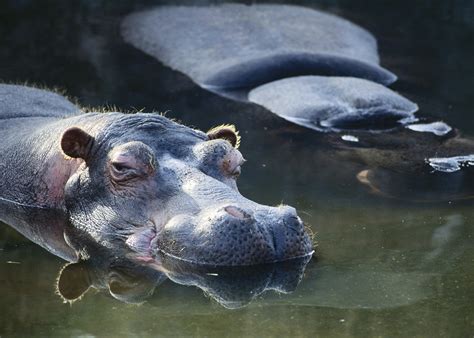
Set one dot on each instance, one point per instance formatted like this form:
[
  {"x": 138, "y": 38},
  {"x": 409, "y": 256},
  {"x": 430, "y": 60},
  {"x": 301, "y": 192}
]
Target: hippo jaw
[{"x": 231, "y": 236}]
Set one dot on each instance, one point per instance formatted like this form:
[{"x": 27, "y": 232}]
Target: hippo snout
[
  {"x": 289, "y": 237},
  {"x": 235, "y": 235},
  {"x": 237, "y": 212}
]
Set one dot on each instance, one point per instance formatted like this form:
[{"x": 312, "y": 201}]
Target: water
[{"x": 384, "y": 266}]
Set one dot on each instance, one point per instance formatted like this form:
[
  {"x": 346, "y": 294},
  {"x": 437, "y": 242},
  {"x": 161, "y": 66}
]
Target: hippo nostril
[
  {"x": 289, "y": 215},
  {"x": 288, "y": 211},
  {"x": 237, "y": 212},
  {"x": 288, "y": 235},
  {"x": 293, "y": 221}
]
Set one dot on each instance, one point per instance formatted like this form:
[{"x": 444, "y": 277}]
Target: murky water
[{"x": 383, "y": 267}]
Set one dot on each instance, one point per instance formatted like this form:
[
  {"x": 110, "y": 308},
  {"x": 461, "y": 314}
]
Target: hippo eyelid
[
  {"x": 241, "y": 163},
  {"x": 120, "y": 166},
  {"x": 121, "y": 172},
  {"x": 237, "y": 171}
]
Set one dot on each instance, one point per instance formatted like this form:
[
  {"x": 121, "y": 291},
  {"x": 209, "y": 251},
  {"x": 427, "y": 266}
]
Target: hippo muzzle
[
  {"x": 216, "y": 225},
  {"x": 232, "y": 235}
]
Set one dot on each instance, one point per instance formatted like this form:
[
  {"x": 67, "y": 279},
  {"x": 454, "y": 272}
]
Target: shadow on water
[{"x": 386, "y": 266}]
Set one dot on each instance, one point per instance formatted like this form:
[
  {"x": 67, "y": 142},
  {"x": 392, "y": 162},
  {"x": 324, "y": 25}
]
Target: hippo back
[{"x": 20, "y": 101}]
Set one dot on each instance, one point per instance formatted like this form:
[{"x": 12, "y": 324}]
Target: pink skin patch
[
  {"x": 144, "y": 259},
  {"x": 141, "y": 242},
  {"x": 60, "y": 167},
  {"x": 235, "y": 212},
  {"x": 58, "y": 171}
]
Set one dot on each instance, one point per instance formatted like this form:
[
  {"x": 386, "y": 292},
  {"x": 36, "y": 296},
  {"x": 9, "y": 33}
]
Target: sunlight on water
[{"x": 450, "y": 164}]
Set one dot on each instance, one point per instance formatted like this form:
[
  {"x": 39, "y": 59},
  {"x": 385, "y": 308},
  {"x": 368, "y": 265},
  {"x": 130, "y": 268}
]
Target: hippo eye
[
  {"x": 236, "y": 172},
  {"x": 120, "y": 167},
  {"x": 122, "y": 172},
  {"x": 131, "y": 160}
]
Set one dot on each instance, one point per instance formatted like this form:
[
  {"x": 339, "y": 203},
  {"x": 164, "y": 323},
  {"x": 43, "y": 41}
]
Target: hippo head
[{"x": 151, "y": 185}]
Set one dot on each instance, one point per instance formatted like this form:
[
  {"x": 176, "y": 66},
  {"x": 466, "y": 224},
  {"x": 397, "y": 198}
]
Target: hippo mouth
[
  {"x": 231, "y": 237},
  {"x": 201, "y": 263}
]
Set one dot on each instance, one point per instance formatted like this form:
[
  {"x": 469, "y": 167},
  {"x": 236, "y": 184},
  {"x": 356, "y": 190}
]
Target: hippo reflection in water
[
  {"x": 131, "y": 281},
  {"x": 136, "y": 180}
]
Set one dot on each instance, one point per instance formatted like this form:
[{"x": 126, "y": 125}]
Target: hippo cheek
[
  {"x": 232, "y": 236},
  {"x": 142, "y": 241}
]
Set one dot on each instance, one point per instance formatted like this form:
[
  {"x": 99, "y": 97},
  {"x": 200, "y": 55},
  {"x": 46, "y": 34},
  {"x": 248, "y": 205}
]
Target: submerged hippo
[
  {"x": 315, "y": 70},
  {"x": 308, "y": 67},
  {"x": 139, "y": 181}
]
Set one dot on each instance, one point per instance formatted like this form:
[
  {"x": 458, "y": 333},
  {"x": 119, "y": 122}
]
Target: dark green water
[{"x": 385, "y": 267}]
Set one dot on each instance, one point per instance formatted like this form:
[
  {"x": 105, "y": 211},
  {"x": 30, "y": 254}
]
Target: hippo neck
[
  {"x": 43, "y": 226},
  {"x": 33, "y": 174}
]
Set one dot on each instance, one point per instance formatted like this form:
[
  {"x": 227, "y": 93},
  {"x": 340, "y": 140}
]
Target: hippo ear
[
  {"x": 73, "y": 281},
  {"x": 226, "y": 132},
  {"x": 76, "y": 143}
]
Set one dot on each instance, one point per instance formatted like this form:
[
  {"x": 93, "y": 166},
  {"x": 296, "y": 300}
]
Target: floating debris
[
  {"x": 438, "y": 128},
  {"x": 450, "y": 164},
  {"x": 13, "y": 262},
  {"x": 350, "y": 138}
]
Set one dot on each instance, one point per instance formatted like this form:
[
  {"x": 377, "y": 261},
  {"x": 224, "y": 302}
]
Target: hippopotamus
[
  {"x": 308, "y": 67},
  {"x": 318, "y": 71},
  {"x": 133, "y": 183}
]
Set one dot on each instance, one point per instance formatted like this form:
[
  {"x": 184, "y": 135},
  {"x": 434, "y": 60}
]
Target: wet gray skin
[
  {"x": 334, "y": 103},
  {"x": 230, "y": 46},
  {"x": 308, "y": 67},
  {"x": 141, "y": 181}
]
